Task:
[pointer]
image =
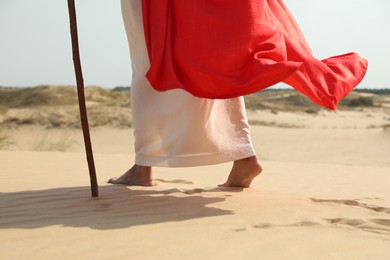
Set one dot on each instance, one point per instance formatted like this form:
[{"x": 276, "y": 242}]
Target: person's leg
[
  {"x": 135, "y": 176},
  {"x": 163, "y": 133},
  {"x": 243, "y": 172}
]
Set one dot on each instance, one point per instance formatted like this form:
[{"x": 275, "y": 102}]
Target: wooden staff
[{"x": 81, "y": 96}]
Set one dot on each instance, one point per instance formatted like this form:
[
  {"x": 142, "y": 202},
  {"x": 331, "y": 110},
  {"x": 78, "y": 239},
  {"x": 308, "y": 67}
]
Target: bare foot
[
  {"x": 135, "y": 176},
  {"x": 243, "y": 172}
]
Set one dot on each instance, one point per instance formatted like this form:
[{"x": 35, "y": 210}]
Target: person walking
[{"x": 203, "y": 120}]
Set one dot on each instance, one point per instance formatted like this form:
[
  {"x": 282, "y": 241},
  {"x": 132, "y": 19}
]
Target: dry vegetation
[
  {"x": 52, "y": 107},
  {"x": 56, "y": 106},
  {"x": 5, "y": 139},
  {"x": 274, "y": 124},
  {"x": 293, "y": 101},
  {"x": 62, "y": 144}
]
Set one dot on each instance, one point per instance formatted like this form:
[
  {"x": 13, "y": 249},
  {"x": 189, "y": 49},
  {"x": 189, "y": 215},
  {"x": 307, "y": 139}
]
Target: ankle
[
  {"x": 143, "y": 171},
  {"x": 250, "y": 161}
]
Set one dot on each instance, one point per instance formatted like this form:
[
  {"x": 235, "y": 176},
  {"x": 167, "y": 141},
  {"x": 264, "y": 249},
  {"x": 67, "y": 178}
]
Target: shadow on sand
[{"x": 118, "y": 207}]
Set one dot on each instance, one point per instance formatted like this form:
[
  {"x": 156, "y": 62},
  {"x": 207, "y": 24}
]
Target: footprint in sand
[
  {"x": 354, "y": 203},
  {"x": 180, "y": 181},
  {"x": 381, "y": 226},
  {"x": 378, "y": 226},
  {"x": 270, "y": 225},
  {"x": 214, "y": 189},
  {"x": 194, "y": 191}
]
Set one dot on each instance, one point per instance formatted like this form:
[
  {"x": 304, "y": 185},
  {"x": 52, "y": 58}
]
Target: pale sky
[{"x": 35, "y": 45}]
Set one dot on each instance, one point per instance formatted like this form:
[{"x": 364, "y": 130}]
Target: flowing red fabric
[{"x": 228, "y": 48}]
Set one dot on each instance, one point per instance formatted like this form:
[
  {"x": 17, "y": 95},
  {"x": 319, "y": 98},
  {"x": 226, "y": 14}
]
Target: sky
[{"x": 35, "y": 45}]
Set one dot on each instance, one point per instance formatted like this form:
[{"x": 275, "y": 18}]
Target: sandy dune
[
  {"x": 293, "y": 211},
  {"x": 323, "y": 195}
]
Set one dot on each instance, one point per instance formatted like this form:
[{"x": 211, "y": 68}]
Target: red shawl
[{"x": 230, "y": 48}]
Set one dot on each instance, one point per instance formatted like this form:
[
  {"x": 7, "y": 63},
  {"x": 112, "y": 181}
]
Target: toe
[{"x": 112, "y": 180}]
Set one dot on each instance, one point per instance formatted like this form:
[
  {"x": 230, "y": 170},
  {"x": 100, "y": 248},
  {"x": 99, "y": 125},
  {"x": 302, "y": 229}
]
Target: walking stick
[{"x": 80, "y": 93}]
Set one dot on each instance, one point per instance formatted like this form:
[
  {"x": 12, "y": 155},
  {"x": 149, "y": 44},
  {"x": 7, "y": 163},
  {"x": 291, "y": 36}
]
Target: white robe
[{"x": 174, "y": 128}]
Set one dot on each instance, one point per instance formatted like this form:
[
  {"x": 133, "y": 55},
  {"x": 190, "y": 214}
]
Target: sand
[{"x": 324, "y": 194}]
